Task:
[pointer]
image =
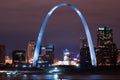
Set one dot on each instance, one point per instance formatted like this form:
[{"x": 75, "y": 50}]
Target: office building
[
  {"x": 8, "y": 60},
  {"x": 118, "y": 57},
  {"x": 106, "y": 50},
  {"x": 30, "y": 52},
  {"x": 85, "y": 53},
  {"x": 46, "y": 54},
  {"x": 2, "y": 53},
  {"x": 49, "y": 53},
  {"x": 18, "y": 57},
  {"x": 104, "y": 36}
]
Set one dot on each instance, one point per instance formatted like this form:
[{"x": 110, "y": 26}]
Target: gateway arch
[{"x": 89, "y": 39}]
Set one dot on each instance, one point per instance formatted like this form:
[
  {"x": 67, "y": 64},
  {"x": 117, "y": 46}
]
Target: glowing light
[
  {"x": 24, "y": 66},
  {"x": 89, "y": 39},
  {"x": 73, "y": 63},
  {"x": 56, "y": 76},
  {"x": 11, "y": 73},
  {"x": 77, "y": 65},
  {"x": 55, "y": 70},
  {"x": 30, "y": 61}
]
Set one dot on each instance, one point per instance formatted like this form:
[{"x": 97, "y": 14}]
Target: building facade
[
  {"x": 106, "y": 50},
  {"x": 2, "y": 53},
  {"x": 85, "y": 53},
  {"x": 118, "y": 57},
  {"x": 18, "y": 57},
  {"x": 30, "y": 52},
  {"x": 46, "y": 55}
]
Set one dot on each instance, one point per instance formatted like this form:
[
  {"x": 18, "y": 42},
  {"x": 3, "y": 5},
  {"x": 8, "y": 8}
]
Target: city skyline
[{"x": 20, "y": 22}]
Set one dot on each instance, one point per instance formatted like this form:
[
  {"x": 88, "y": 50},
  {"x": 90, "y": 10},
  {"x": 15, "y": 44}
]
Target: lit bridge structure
[{"x": 88, "y": 35}]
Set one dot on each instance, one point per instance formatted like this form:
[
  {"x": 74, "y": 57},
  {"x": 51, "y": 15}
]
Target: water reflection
[
  {"x": 36, "y": 77},
  {"x": 94, "y": 76},
  {"x": 58, "y": 77},
  {"x": 24, "y": 77}
]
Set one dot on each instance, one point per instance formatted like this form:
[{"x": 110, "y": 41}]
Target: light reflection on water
[
  {"x": 38, "y": 77},
  {"x": 59, "y": 77}
]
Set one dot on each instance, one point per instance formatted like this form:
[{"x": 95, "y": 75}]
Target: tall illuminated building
[
  {"x": 46, "y": 54},
  {"x": 106, "y": 49},
  {"x": 2, "y": 53},
  {"x": 104, "y": 36},
  {"x": 66, "y": 55},
  {"x": 30, "y": 52}
]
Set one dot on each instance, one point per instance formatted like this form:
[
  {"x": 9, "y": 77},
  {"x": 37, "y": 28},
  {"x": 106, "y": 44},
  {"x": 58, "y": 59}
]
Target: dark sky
[{"x": 20, "y": 21}]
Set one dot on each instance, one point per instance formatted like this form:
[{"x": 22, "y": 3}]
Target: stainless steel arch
[{"x": 89, "y": 39}]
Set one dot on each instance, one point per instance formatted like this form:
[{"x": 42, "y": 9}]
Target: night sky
[{"x": 20, "y": 22}]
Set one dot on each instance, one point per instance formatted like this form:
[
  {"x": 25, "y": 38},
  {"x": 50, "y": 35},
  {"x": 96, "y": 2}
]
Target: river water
[{"x": 59, "y": 77}]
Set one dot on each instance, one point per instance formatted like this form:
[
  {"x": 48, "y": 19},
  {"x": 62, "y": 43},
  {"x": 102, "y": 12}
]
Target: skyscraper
[
  {"x": 2, "y": 53},
  {"x": 106, "y": 49},
  {"x": 47, "y": 53},
  {"x": 30, "y": 52},
  {"x": 104, "y": 36},
  {"x": 84, "y": 52}
]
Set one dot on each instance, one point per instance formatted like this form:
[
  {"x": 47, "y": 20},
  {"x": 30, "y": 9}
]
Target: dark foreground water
[
  {"x": 104, "y": 73},
  {"x": 59, "y": 77}
]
